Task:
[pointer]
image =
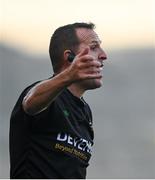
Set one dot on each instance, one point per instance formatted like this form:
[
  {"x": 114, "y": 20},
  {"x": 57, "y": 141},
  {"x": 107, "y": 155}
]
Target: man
[{"x": 51, "y": 133}]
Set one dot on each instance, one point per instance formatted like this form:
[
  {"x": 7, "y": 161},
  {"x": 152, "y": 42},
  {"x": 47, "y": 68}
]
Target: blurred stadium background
[{"x": 123, "y": 109}]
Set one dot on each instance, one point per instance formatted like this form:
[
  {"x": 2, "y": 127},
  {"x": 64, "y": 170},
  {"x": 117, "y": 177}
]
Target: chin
[
  {"x": 97, "y": 84},
  {"x": 92, "y": 84}
]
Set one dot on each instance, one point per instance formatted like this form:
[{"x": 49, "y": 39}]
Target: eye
[{"x": 93, "y": 47}]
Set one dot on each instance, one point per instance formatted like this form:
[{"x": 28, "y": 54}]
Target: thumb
[{"x": 83, "y": 52}]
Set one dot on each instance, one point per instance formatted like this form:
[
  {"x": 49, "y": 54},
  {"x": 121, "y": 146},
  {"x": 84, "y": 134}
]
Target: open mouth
[{"x": 102, "y": 65}]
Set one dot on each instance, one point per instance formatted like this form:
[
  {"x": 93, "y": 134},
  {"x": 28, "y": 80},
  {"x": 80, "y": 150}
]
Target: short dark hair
[{"x": 65, "y": 38}]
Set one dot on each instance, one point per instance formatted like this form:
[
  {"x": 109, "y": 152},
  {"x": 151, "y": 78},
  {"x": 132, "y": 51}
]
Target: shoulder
[
  {"x": 28, "y": 88},
  {"x": 18, "y": 104},
  {"x": 25, "y": 91}
]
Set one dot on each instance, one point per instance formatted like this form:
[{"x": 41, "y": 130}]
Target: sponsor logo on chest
[{"x": 76, "y": 142}]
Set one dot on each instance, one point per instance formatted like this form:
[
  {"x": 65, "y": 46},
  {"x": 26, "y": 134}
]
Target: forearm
[{"x": 42, "y": 95}]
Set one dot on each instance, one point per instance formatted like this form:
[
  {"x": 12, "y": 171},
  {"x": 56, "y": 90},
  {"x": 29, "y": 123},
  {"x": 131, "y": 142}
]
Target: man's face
[{"x": 88, "y": 38}]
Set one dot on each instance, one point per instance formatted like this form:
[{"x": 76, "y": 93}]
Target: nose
[{"x": 102, "y": 55}]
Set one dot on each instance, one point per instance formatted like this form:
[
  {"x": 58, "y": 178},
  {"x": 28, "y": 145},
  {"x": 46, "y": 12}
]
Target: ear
[{"x": 66, "y": 54}]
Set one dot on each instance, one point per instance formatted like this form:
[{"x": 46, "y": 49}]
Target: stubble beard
[{"x": 91, "y": 84}]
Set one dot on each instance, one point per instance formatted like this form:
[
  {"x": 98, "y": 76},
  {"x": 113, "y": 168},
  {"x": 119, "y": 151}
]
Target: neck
[{"x": 76, "y": 90}]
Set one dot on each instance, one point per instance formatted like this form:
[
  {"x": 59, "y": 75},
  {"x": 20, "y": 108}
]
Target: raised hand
[{"x": 84, "y": 66}]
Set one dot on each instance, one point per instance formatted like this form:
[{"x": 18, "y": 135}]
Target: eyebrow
[{"x": 96, "y": 42}]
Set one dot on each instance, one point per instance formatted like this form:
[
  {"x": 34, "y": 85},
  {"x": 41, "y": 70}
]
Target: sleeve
[{"x": 18, "y": 106}]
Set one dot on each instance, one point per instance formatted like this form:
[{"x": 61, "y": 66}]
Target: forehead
[{"x": 87, "y": 36}]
